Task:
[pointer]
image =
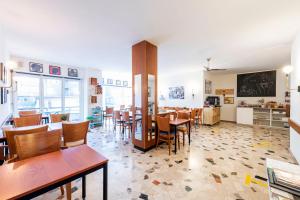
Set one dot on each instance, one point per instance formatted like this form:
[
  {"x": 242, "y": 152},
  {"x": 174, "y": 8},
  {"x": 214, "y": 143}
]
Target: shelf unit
[{"x": 273, "y": 117}]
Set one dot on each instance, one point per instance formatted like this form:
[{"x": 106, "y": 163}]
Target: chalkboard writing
[{"x": 259, "y": 84}]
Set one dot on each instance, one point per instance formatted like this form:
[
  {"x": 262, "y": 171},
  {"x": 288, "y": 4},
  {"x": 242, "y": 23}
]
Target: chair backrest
[
  {"x": 193, "y": 113},
  {"x": 200, "y": 110},
  {"x": 125, "y": 116},
  {"x": 26, "y": 112},
  {"x": 163, "y": 124},
  {"x": 58, "y": 117},
  {"x": 117, "y": 115},
  {"x": 28, "y": 120},
  {"x": 10, "y": 135},
  {"x": 183, "y": 115},
  {"x": 74, "y": 133},
  {"x": 109, "y": 110},
  {"x": 36, "y": 144}
]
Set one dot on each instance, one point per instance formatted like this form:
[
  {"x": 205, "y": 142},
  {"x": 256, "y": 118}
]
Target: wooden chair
[
  {"x": 35, "y": 144},
  {"x": 199, "y": 116},
  {"x": 55, "y": 118},
  {"x": 74, "y": 134},
  {"x": 127, "y": 122},
  {"x": 27, "y": 112},
  {"x": 108, "y": 114},
  {"x": 164, "y": 133},
  {"x": 10, "y": 137},
  {"x": 117, "y": 119},
  {"x": 28, "y": 120},
  {"x": 183, "y": 128},
  {"x": 193, "y": 118}
]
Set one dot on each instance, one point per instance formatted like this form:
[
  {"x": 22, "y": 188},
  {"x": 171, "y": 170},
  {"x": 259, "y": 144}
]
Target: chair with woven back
[
  {"x": 193, "y": 118},
  {"x": 28, "y": 120},
  {"x": 23, "y": 113},
  {"x": 11, "y": 133},
  {"x": 36, "y": 144},
  {"x": 164, "y": 131},
  {"x": 55, "y": 118},
  {"x": 183, "y": 128},
  {"x": 74, "y": 134}
]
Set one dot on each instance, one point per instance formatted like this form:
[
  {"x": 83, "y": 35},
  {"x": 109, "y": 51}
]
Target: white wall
[
  {"x": 192, "y": 82},
  {"x": 295, "y": 98},
  {"x": 22, "y": 65},
  {"x": 5, "y": 109},
  {"x": 229, "y": 81}
]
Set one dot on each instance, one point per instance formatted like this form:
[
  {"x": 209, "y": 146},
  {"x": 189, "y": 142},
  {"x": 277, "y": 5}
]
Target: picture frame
[
  {"x": 54, "y": 70},
  {"x": 118, "y": 83},
  {"x": 208, "y": 87},
  {"x": 72, "y": 72},
  {"x": 176, "y": 92},
  {"x": 3, "y": 95},
  {"x": 93, "y": 99},
  {"x": 109, "y": 81},
  {"x": 125, "y": 83},
  {"x": 2, "y": 72},
  {"x": 36, "y": 67},
  {"x": 228, "y": 100},
  {"x": 94, "y": 81}
]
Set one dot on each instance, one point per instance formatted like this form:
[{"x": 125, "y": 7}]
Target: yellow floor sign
[{"x": 249, "y": 179}]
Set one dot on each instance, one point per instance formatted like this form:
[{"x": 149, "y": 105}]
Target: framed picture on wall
[
  {"x": 3, "y": 95},
  {"x": 35, "y": 67},
  {"x": 54, "y": 70},
  {"x": 125, "y": 83},
  {"x": 118, "y": 83},
  {"x": 176, "y": 92},
  {"x": 1, "y": 72},
  {"x": 72, "y": 72},
  {"x": 228, "y": 100},
  {"x": 109, "y": 81}
]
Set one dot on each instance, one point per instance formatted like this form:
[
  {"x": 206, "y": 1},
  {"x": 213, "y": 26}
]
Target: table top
[
  {"x": 177, "y": 122},
  {"x": 29, "y": 175}
]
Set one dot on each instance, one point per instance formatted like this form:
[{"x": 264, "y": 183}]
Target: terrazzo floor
[{"x": 225, "y": 161}]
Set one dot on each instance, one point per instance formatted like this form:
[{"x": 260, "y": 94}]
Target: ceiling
[{"x": 242, "y": 35}]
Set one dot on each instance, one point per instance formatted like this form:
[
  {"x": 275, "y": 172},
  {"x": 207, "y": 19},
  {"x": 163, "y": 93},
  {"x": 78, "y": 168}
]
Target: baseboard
[{"x": 234, "y": 122}]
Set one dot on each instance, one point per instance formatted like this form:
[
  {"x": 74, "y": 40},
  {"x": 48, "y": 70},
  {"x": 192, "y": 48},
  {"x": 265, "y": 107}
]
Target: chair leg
[
  {"x": 170, "y": 147},
  {"x": 62, "y": 190},
  {"x": 69, "y": 191},
  {"x": 183, "y": 138},
  {"x": 178, "y": 141},
  {"x": 157, "y": 141}
]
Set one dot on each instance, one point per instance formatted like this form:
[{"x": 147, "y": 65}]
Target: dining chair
[
  {"x": 199, "y": 116},
  {"x": 23, "y": 113},
  {"x": 28, "y": 120},
  {"x": 108, "y": 114},
  {"x": 11, "y": 133},
  {"x": 127, "y": 122},
  {"x": 183, "y": 128},
  {"x": 74, "y": 134},
  {"x": 55, "y": 118},
  {"x": 164, "y": 131},
  {"x": 193, "y": 118},
  {"x": 117, "y": 119},
  {"x": 35, "y": 144}
]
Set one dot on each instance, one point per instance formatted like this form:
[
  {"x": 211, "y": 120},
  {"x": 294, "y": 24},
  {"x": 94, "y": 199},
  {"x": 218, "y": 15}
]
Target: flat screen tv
[{"x": 258, "y": 84}]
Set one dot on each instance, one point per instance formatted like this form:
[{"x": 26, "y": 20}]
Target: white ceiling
[{"x": 241, "y": 34}]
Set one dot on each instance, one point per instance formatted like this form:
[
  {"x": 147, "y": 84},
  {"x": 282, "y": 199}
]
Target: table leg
[
  {"x": 83, "y": 187},
  {"x": 105, "y": 182},
  {"x": 189, "y": 132},
  {"x": 175, "y": 139}
]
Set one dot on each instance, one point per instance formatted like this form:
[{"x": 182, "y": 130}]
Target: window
[
  {"x": 48, "y": 94},
  {"x": 116, "y": 96},
  {"x": 28, "y": 93}
]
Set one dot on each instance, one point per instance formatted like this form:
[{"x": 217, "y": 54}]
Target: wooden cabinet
[{"x": 211, "y": 115}]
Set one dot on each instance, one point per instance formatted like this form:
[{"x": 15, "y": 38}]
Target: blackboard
[{"x": 258, "y": 84}]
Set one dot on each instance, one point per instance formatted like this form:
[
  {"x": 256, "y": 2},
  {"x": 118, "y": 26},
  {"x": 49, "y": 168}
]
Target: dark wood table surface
[{"x": 32, "y": 177}]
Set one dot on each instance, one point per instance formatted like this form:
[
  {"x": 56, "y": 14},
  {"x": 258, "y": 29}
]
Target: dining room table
[
  {"x": 175, "y": 123},
  {"x": 29, "y": 178}
]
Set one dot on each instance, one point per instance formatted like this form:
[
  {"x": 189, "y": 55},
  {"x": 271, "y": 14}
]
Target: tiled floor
[{"x": 225, "y": 161}]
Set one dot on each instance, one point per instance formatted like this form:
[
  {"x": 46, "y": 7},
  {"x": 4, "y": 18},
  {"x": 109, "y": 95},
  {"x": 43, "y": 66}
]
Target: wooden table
[
  {"x": 32, "y": 177},
  {"x": 175, "y": 123},
  {"x": 178, "y": 122}
]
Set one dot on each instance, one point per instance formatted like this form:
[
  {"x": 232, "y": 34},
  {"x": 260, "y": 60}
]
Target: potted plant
[{"x": 64, "y": 117}]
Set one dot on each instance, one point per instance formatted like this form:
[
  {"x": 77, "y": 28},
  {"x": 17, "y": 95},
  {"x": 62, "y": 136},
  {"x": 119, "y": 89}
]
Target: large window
[
  {"x": 115, "y": 96},
  {"x": 48, "y": 94}
]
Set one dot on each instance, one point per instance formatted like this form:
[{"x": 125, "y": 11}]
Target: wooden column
[{"x": 144, "y": 93}]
